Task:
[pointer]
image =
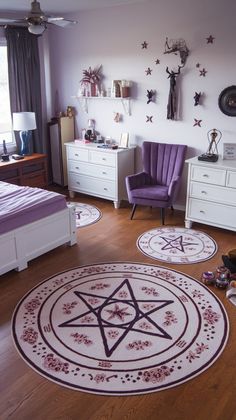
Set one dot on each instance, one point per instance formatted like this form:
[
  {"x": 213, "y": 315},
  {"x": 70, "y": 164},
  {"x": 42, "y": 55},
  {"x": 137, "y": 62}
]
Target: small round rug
[
  {"x": 86, "y": 214},
  {"x": 120, "y": 328},
  {"x": 177, "y": 245}
]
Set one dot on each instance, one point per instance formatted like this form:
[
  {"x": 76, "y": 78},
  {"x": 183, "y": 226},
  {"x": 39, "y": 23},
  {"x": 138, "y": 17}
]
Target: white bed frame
[{"x": 21, "y": 245}]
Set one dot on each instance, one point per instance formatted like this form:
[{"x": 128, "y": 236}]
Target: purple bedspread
[{"x": 23, "y": 205}]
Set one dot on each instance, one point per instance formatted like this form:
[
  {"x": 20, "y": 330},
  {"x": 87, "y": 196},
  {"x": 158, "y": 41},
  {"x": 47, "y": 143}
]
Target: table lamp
[{"x": 24, "y": 122}]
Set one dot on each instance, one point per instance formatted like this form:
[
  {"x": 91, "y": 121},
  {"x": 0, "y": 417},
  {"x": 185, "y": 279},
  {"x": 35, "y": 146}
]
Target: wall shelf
[{"x": 85, "y": 99}]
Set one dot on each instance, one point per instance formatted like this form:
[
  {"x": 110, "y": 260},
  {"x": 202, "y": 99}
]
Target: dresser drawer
[
  {"x": 106, "y": 172},
  {"x": 208, "y": 175},
  {"x": 94, "y": 186},
  {"x": 103, "y": 158},
  {"x": 212, "y": 193},
  {"x": 78, "y": 154},
  {"x": 212, "y": 213},
  {"x": 231, "y": 179}
]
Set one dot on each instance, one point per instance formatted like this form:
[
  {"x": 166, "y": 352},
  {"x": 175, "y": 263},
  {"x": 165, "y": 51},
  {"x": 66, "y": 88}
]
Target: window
[{"x": 6, "y": 132}]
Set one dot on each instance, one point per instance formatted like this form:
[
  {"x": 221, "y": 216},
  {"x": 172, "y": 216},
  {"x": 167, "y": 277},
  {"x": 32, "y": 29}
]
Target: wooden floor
[{"x": 25, "y": 395}]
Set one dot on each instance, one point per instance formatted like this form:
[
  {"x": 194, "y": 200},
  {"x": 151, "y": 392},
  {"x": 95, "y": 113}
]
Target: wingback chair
[{"x": 158, "y": 184}]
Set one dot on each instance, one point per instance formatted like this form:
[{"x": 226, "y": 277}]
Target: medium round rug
[
  {"x": 177, "y": 245},
  {"x": 120, "y": 328},
  {"x": 86, "y": 214}
]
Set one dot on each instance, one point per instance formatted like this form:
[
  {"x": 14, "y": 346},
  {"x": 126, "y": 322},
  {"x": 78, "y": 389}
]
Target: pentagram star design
[
  {"x": 176, "y": 243},
  {"x": 120, "y": 314}
]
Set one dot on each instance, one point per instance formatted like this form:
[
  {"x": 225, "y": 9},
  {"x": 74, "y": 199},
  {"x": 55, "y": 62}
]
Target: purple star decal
[
  {"x": 157, "y": 61},
  {"x": 210, "y": 39},
  {"x": 148, "y": 71},
  {"x": 198, "y": 65},
  {"x": 111, "y": 312},
  {"x": 149, "y": 118},
  {"x": 144, "y": 45},
  {"x": 203, "y": 72},
  {"x": 197, "y": 123}
]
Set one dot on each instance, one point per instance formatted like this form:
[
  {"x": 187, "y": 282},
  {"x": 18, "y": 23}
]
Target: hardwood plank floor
[{"x": 25, "y": 395}]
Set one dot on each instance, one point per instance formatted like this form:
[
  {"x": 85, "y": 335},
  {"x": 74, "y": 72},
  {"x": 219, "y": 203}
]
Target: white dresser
[
  {"x": 98, "y": 172},
  {"x": 211, "y": 193}
]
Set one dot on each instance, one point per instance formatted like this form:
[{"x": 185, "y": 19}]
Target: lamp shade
[{"x": 24, "y": 121}]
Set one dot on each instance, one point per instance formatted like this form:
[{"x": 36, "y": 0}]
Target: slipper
[{"x": 231, "y": 292}]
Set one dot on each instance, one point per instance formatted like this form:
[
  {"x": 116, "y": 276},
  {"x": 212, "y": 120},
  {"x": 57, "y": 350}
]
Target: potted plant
[{"x": 91, "y": 78}]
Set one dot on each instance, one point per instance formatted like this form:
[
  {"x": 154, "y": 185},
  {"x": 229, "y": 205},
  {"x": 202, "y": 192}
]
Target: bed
[{"x": 33, "y": 221}]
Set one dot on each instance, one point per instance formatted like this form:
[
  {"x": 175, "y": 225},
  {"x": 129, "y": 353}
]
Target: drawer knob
[
  {"x": 104, "y": 173},
  {"x": 103, "y": 158},
  {"x": 203, "y": 192},
  {"x": 77, "y": 182},
  {"x": 77, "y": 167},
  {"x": 202, "y": 211},
  {"x": 76, "y": 154},
  {"x": 105, "y": 189},
  {"x": 205, "y": 175}
]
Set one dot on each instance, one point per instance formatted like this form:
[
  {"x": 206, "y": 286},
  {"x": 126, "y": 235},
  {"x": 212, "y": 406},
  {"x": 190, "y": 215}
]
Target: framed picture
[
  {"x": 124, "y": 140},
  {"x": 229, "y": 151}
]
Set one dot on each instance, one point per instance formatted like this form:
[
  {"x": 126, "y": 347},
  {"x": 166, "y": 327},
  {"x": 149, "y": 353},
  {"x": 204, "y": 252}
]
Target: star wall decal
[
  {"x": 198, "y": 65},
  {"x": 197, "y": 123},
  {"x": 144, "y": 45},
  {"x": 148, "y": 71},
  {"x": 149, "y": 118},
  {"x": 121, "y": 315},
  {"x": 203, "y": 72},
  {"x": 157, "y": 61},
  {"x": 210, "y": 39}
]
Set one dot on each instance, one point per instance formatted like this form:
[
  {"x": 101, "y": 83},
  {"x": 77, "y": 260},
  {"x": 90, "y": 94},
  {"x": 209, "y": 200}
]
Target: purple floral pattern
[
  {"x": 156, "y": 375},
  {"x": 29, "y": 335},
  {"x": 67, "y": 307},
  {"x": 32, "y": 305}
]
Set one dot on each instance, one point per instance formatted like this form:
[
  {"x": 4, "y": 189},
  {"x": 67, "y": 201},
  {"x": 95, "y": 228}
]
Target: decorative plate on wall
[{"x": 227, "y": 101}]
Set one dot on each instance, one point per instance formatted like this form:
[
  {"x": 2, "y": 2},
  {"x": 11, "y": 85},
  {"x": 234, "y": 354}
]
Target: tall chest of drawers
[
  {"x": 98, "y": 172},
  {"x": 211, "y": 193}
]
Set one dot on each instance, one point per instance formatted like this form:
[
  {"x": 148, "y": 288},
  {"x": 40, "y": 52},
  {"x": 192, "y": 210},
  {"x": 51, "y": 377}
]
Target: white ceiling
[{"x": 61, "y": 6}]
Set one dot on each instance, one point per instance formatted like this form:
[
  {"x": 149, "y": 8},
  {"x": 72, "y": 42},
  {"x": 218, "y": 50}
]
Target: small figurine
[
  {"x": 5, "y": 155},
  {"x": 70, "y": 112},
  {"x": 196, "y": 98},
  {"x": 172, "y": 100}
]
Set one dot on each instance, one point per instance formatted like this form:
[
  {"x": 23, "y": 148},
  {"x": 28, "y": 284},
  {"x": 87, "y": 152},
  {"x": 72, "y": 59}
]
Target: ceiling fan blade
[
  {"x": 3, "y": 20},
  {"x": 60, "y": 21}
]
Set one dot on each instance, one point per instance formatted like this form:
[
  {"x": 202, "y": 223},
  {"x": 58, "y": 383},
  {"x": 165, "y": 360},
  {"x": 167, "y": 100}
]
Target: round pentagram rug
[
  {"x": 86, "y": 214},
  {"x": 120, "y": 328},
  {"x": 177, "y": 245}
]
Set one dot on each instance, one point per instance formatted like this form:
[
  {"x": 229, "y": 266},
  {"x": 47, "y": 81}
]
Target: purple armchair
[{"x": 158, "y": 184}]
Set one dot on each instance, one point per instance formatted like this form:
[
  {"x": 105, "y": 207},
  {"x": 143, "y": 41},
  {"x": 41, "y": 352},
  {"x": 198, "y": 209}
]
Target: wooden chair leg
[
  {"x": 162, "y": 216},
  {"x": 133, "y": 210},
  {"x": 172, "y": 208}
]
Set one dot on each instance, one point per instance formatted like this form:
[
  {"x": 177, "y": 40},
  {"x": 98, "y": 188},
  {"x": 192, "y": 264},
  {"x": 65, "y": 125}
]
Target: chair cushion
[{"x": 151, "y": 192}]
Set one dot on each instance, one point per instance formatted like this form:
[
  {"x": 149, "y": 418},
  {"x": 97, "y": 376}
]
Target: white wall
[{"x": 113, "y": 37}]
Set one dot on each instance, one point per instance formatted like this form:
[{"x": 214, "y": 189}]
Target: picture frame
[
  {"x": 124, "y": 140},
  {"x": 229, "y": 151}
]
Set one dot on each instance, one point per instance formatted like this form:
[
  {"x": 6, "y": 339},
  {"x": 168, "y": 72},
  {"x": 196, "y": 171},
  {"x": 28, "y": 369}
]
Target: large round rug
[
  {"x": 120, "y": 328},
  {"x": 86, "y": 214},
  {"x": 177, "y": 245}
]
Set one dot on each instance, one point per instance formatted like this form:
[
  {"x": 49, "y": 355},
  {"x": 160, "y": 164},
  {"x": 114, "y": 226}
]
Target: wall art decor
[
  {"x": 198, "y": 65},
  {"x": 151, "y": 96},
  {"x": 144, "y": 45},
  {"x": 227, "y": 101},
  {"x": 90, "y": 80},
  {"x": 149, "y": 118},
  {"x": 210, "y": 39},
  {"x": 124, "y": 140},
  {"x": 197, "y": 98},
  {"x": 148, "y": 71},
  {"x": 229, "y": 151},
  {"x": 197, "y": 123},
  {"x": 202, "y": 72},
  {"x": 177, "y": 45},
  {"x": 117, "y": 117},
  {"x": 157, "y": 61},
  {"x": 172, "y": 100}
]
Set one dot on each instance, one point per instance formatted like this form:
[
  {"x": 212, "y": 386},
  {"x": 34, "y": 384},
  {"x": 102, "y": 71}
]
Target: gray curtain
[{"x": 24, "y": 78}]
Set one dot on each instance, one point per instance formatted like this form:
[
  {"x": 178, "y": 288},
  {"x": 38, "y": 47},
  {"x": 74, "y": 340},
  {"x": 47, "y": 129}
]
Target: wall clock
[{"x": 227, "y": 101}]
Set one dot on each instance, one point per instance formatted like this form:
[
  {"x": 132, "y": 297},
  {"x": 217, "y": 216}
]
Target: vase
[{"x": 93, "y": 89}]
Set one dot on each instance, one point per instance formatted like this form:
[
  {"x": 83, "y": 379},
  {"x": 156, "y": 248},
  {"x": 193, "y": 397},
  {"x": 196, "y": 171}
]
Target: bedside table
[{"x": 31, "y": 171}]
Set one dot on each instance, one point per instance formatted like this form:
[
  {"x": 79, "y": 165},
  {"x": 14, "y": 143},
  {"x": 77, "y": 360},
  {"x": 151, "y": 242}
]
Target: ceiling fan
[{"x": 37, "y": 20}]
